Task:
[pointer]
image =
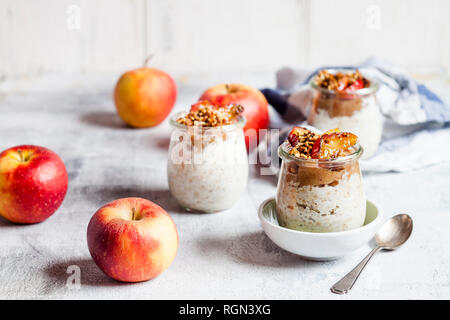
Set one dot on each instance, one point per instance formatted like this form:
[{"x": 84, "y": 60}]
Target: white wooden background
[{"x": 199, "y": 36}]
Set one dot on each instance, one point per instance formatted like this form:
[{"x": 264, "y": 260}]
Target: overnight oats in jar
[
  {"x": 347, "y": 101},
  {"x": 208, "y": 167},
  {"x": 320, "y": 186}
]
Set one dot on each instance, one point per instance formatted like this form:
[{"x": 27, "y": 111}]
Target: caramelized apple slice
[
  {"x": 358, "y": 84},
  {"x": 332, "y": 145},
  {"x": 315, "y": 150},
  {"x": 335, "y": 130},
  {"x": 351, "y": 82}
]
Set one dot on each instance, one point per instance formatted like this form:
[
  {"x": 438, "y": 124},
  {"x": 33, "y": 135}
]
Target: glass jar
[
  {"x": 320, "y": 195},
  {"x": 207, "y": 167},
  {"x": 356, "y": 111}
]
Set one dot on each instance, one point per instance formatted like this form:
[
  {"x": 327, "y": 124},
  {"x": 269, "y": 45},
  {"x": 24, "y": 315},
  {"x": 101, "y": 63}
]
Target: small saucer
[{"x": 319, "y": 246}]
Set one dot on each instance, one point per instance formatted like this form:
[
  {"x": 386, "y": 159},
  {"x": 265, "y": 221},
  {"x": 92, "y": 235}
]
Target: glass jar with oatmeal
[
  {"x": 346, "y": 99},
  {"x": 207, "y": 166},
  {"x": 320, "y": 186}
]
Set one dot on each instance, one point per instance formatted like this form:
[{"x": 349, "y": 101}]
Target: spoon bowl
[{"x": 394, "y": 232}]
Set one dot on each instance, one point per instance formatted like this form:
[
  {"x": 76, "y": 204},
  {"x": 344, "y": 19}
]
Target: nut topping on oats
[
  {"x": 302, "y": 141},
  {"x": 204, "y": 114},
  {"x": 309, "y": 145},
  {"x": 341, "y": 82}
]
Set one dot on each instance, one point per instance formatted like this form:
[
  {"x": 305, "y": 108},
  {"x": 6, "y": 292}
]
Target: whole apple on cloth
[
  {"x": 33, "y": 183},
  {"x": 256, "y": 110},
  {"x": 144, "y": 97},
  {"x": 132, "y": 239}
]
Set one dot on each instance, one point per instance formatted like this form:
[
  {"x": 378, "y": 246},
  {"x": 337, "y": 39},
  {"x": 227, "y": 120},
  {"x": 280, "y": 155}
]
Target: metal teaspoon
[{"x": 392, "y": 234}]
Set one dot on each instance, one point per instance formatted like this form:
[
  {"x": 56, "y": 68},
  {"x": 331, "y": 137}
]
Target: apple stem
[
  {"x": 227, "y": 86},
  {"x": 133, "y": 210},
  {"x": 147, "y": 60},
  {"x": 20, "y": 154}
]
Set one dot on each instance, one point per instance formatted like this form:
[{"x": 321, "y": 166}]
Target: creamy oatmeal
[{"x": 207, "y": 166}]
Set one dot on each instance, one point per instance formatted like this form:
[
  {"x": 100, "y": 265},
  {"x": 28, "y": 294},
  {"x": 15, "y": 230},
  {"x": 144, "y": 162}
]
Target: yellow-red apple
[
  {"x": 132, "y": 239},
  {"x": 256, "y": 110},
  {"x": 33, "y": 183},
  {"x": 144, "y": 97}
]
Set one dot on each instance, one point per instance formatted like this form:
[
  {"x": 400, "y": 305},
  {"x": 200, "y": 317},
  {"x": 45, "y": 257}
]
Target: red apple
[
  {"x": 144, "y": 97},
  {"x": 132, "y": 239},
  {"x": 33, "y": 183},
  {"x": 256, "y": 110}
]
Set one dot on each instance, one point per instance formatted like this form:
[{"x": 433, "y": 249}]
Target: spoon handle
[{"x": 346, "y": 283}]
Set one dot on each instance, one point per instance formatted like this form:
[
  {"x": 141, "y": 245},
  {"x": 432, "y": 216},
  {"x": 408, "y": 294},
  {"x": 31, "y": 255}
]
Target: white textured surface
[{"x": 223, "y": 255}]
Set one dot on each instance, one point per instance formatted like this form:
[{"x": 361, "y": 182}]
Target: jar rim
[
  {"x": 373, "y": 88},
  {"x": 239, "y": 123},
  {"x": 284, "y": 154}
]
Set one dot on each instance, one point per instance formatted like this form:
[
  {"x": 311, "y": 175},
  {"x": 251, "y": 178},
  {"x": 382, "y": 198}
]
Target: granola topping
[
  {"x": 341, "y": 82},
  {"x": 309, "y": 145},
  {"x": 204, "y": 114},
  {"x": 302, "y": 140}
]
